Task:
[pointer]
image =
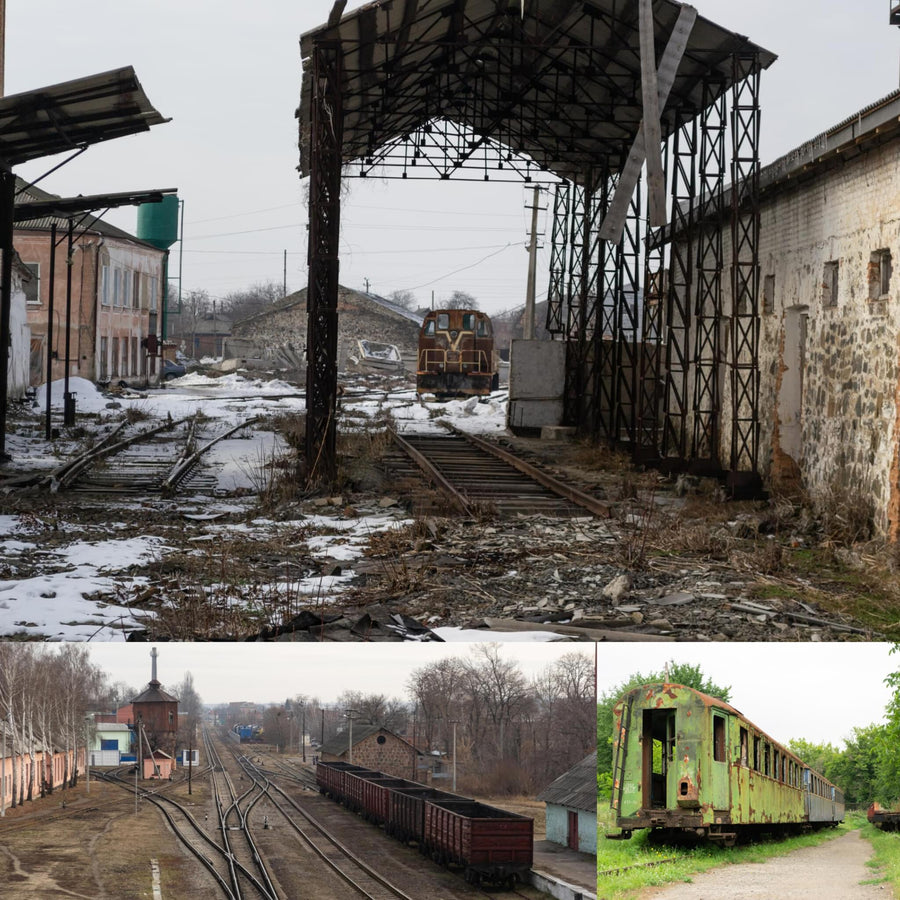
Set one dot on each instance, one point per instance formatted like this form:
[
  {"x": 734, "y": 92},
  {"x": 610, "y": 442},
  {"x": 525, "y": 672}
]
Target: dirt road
[{"x": 831, "y": 871}]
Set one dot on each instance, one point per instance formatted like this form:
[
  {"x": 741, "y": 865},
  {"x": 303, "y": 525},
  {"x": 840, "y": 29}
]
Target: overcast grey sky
[
  {"x": 819, "y": 692},
  {"x": 228, "y": 74},
  {"x": 262, "y": 672}
]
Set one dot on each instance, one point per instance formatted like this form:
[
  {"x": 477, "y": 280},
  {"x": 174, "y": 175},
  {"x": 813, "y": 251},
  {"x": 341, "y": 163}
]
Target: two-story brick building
[{"x": 116, "y": 298}]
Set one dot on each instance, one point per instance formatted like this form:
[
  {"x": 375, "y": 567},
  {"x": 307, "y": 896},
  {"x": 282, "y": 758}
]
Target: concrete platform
[{"x": 564, "y": 873}]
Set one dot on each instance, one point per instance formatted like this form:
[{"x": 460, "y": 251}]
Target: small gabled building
[
  {"x": 375, "y": 747},
  {"x": 571, "y": 803}
]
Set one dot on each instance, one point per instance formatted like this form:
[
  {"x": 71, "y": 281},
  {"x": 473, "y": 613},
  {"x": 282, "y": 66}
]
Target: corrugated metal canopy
[
  {"x": 561, "y": 85},
  {"x": 65, "y": 117}
]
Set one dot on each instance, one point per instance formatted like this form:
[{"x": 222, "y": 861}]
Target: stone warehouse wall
[
  {"x": 394, "y": 757},
  {"x": 829, "y": 387},
  {"x": 359, "y": 317}
]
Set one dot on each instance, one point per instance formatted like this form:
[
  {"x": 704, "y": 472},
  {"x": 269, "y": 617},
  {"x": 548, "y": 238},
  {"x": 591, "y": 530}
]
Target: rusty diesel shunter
[
  {"x": 456, "y": 354},
  {"x": 690, "y": 766}
]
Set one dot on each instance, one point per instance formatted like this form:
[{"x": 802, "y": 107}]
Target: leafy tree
[
  {"x": 821, "y": 757},
  {"x": 674, "y": 673},
  {"x": 856, "y": 769}
]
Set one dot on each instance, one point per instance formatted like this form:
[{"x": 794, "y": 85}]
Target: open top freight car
[
  {"x": 689, "y": 765},
  {"x": 488, "y": 843},
  {"x": 456, "y": 354}
]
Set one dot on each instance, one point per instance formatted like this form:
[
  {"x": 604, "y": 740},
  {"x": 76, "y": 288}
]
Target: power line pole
[{"x": 532, "y": 267}]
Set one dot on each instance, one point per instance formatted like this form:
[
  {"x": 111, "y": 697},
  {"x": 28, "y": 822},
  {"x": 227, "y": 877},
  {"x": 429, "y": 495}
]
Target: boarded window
[
  {"x": 745, "y": 747},
  {"x": 879, "y": 274},
  {"x": 830, "y": 283},
  {"x": 32, "y": 286},
  {"x": 769, "y": 294},
  {"x": 718, "y": 739}
]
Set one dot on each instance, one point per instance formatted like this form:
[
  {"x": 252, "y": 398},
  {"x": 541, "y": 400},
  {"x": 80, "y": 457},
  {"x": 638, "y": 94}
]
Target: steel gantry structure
[{"x": 629, "y": 109}]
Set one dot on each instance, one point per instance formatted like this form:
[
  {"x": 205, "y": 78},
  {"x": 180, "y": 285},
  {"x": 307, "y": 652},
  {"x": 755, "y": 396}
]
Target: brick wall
[{"x": 392, "y": 756}]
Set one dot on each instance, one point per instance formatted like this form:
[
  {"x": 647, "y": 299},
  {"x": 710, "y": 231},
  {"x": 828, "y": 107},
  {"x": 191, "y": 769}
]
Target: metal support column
[
  {"x": 326, "y": 137},
  {"x": 51, "y": 298},
  {"x": 559, "y": 246},
  {"x": 578, "y": 221},
  {"x": 706, "y": 407},
  {"x": 678, "y": 308},
  {"x": 744, "y": 477},
  {"x": 628, "y": 325}
]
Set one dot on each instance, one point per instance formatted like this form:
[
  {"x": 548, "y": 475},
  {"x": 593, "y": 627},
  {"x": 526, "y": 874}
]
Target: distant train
[
  {"x": 489, "y": 843},
  {"x": 249, "y": 734},
  {"x": 456, "y": 354},
  {"x": 687, "y": 765}
]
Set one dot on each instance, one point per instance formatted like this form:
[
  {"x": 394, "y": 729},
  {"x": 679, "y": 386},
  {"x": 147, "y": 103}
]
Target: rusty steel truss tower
[{"x": 629, "y": 109}]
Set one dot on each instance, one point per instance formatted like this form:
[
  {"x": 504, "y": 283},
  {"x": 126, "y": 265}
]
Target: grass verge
[
  {"x": 885, "y": 862},
  {"x": 656, "y": 865}
]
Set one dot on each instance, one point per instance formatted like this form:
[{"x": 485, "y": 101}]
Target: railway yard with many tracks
[{"x": 254, "y": 826}]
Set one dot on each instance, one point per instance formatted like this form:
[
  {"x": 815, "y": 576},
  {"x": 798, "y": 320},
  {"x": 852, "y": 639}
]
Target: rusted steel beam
[
  {"x": 326, "y": 141},
  {"x": 456, "y": 498},
  {"x": 592, "y": 504}
]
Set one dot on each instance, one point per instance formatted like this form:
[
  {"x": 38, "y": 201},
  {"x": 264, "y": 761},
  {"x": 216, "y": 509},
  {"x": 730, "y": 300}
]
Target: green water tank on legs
[{"x": 157, "y": 223}]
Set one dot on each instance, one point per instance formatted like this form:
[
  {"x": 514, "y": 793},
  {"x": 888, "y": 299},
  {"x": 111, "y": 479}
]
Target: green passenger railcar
[{"x": 686, "y": 764}]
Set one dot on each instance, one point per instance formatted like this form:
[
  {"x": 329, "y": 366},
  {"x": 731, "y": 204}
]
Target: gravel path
[{"x": 831, "y": 871}]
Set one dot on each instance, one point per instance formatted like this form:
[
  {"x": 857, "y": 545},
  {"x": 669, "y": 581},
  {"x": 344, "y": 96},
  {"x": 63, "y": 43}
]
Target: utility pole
[
  {"x": 532, "y": 267},
  {"x": 350, "y": 713},
  {"x": 284, "y": 285}
]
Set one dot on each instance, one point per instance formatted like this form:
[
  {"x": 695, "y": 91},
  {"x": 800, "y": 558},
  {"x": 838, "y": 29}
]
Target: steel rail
[
  {"x": 436, "y": 477},
  {"x": 179, "y": 830},
  {"x": 365, "y": 867},
  {"x": 266, "y": 889},
  {"x": 579, "y": 498}
]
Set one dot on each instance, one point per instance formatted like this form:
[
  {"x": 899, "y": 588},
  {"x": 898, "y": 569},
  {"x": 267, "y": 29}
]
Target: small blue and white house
[
  {"x": 110, "y": 741},
  {"x": 572, "y": 807}
]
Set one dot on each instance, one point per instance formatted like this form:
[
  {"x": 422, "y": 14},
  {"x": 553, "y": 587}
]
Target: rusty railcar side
[
  {"x": 486, "y": 841},
  {"x": 406, "y": 821},
  {"x": 687, "y": 763},
  {"x": 885, "y": 819}
]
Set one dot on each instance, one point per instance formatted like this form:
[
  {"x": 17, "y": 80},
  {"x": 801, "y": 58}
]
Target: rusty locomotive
[
  {"x": 689, "y": 766},
  {"x": 456, "y": 354},
  {"x": 489, "y": 844}
]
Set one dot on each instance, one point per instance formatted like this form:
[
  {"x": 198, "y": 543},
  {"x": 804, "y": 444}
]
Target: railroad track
[
  {"x": 157, "y": 459},
  {"x": 356, "y": 874},
  {"x": 475, "y": 477}
]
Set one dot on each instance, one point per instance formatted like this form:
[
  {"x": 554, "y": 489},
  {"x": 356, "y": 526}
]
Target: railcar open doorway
[{"x": 658, "y": 748}]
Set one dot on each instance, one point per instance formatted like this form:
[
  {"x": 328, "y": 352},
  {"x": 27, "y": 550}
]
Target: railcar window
[
  {"x": 468, "y": 322},
  {"x": 745, "y": 747},
  {"x": 718, "y": 739},
  {"x": 767, "y": 760},
  {"x": 443, "y": 321},
  {"x": 429, "y": 328},
  {"x": 777, "y": 759},
  {"x": 756, "y": 758},
  {"x": 484, "y": 328}
]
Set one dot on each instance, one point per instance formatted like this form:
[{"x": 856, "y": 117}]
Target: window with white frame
[
  {"x": 136, "y": 292},
  {"x": 153, "y": 293},
  {"x": 104, "y": 286},
  {"x": 126, "y": 289},
  {"x": 117, "y": 287}
]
